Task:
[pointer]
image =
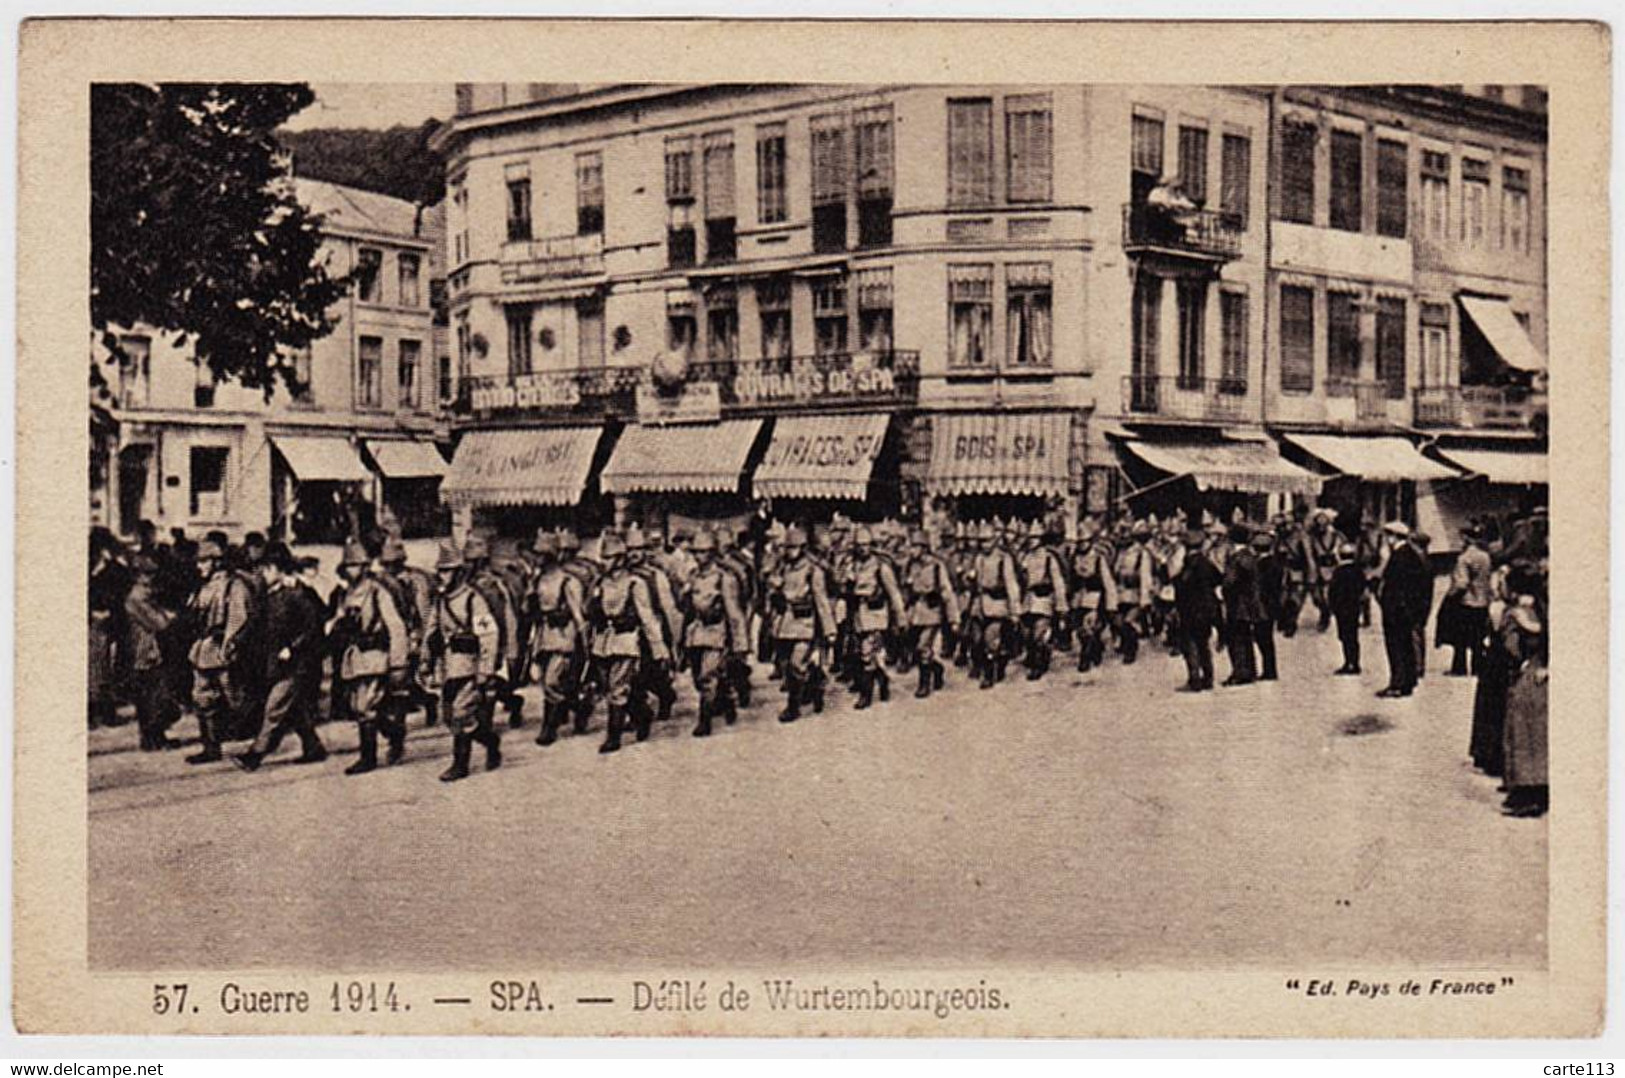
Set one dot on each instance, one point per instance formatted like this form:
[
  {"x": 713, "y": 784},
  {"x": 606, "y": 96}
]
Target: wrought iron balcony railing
[
  {"x": 1479, "y": 407},
  {"x": 1178, "y": 397},
  {"x": 1204, "y": 234}
]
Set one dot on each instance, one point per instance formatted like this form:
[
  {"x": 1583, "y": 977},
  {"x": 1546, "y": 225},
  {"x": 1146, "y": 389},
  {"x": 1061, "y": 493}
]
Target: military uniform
[
  {"x": 414, "y": 592},
  {"x": 715, "y": 633},
  {"x": 467, "y": 643},
  {"x": 655, "y": 678},
  {"x": 933, "y": 608},
  {"x": 735, "y": 561},
  {"x": 804, "y": 616},
  {"x": 997, "y": 601},
  {"x": 559, "y": 606},
  {"x": 586, "y": 571},
  {"x": 1044, "y": 595},
  {"x": 220, "y": 614},
  {"x": 373, "y": 663},
  {"x": 626, "y": 630},
  {"x": 874, "y": 600},
  {"x": 1136, "y": 575},
  {"x": 1094, "y": 597}
]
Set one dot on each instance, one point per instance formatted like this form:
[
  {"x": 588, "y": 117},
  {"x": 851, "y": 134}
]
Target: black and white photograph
[{"x": 944, "y": 530}]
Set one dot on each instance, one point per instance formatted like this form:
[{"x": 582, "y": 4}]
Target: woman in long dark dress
[
  {"x": 1488, "y": 743},
  {"x": 1525, "y": 637}
]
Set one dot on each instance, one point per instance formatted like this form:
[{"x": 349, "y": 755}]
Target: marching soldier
[
  {"x": 1271, "y": 590},
  {"x": 219, "y": 613},
  {"x": 1243, "y": 606},
  {"x": 1293, "y": 543},
  {"x": 1044, "y": 589},
  {"x": 373, "y": 663},
  {"x": 732, "y": 558},
  {"x": 498, "y": 595},
  {"x": 465, "y": 640},
  {"x": 586, "y": 572},
  {"x": 933, "y": 608},
  {"x": 963, "y": 566},
  {"x": 998, "y": 597},
  {"x": 655, "y": 678},
  {"x": 1136, "y": 583},
  {"x": 559, "y": 604},
  {"x": 293, "y": 661},
  {"x": 715, "y": 634},
  {"x": 625, "y": 629},
  {"x": 1094, "y": 592},
  {"x": 804, "y": 616},
  {"x": 509, "y": 566},
  {"x": 875, "y": 600},
  {"x": 414, "y": 591}
]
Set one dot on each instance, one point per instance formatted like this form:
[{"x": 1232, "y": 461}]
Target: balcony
[
  {"x": 525, "y": 261},
  {"x": 1370, "y": 400},
  {"x": 1210, "y": 400},
  {"x": 595, "y": 393},
  {"x": 1206, "y": 236},
  {"x": 1480, "y": 408}
]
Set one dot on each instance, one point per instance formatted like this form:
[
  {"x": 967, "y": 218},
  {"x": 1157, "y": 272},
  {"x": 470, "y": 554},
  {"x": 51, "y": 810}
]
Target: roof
[{"x": 354, "y": 210}]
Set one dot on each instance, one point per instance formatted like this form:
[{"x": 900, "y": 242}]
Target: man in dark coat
[
  {"x": 1346, "y": 594},
  {"x": 1271, "y": 593},
  {"x": 1406, "y": 590},
  {"x": 293, "y": 649},
  {"x": 1243, "y": 606},
  {"x": 1196, "y": 599}
]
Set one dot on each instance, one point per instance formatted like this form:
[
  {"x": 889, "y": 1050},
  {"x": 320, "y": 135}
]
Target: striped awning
[
  {"x": 698, "y": 458},
  {"x": 1383, "y": 459},
  {"x": 1500, "y": 466},
  {"x": 1000, "y": 453},
  {"x": 1494, "y": 318},
  {"x": 1251, "y": 467},
  {"x": 314, "y": 459},
  {"x": 407, "y": 459},
  {"x": 521, "y": 467},
  {"x": 820, "y": 457}
]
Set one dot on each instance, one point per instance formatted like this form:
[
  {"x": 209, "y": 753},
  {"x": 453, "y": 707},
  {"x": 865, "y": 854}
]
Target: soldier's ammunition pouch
[
  {"x": 998, "y": 594},
  {"x": 874, "y": 602},
  {"x": 556, "y": 619},
  {"x": 779, "y": 604},
  {"x": 929, "y": 598},
  {"x": 624, "y": 622},
  {"x": 1093, "y": 583},
  {"x": 1130, "y": 581},
  {"x": 711, "y": 614},
  {"x": 801, "y": 608},
  {"x": 375, "y": 641},
  {"x": 1041, "y": 590},
  {"x": 464, "y": 644}
]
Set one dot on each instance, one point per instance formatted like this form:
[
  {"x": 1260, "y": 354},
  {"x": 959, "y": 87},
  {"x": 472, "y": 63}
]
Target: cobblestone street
[{"x": 1096, "y": 821}]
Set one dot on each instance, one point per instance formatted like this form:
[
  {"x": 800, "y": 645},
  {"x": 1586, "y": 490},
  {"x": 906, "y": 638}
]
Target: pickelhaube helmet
[
  {"x": 863, "y": 536},
  {"x": 703, "y": 542},
  {"x": 394, "y": 552},
  {"x": 634, "y": 538},
  {"x": 354, "y": 553},
  {"x": 1141, "y": 529},
  {"x": 476, "y": 548},
  {"x": 611, "y": 545},
  {"x": 795, "y": 537},
  {"x": 546, "y": 542},
  {"x": 1035, "y": 530},
  {"x": 208, "y": 548},
  {"x": 569, "y": 540},
  {"x": 448, "y": 556}
]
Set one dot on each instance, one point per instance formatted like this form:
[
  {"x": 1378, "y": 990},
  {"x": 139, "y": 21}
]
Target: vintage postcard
[{"x": 812, "y": 528}]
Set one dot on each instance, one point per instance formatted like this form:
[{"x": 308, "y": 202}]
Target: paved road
[{"x": 1101, "y": 821}]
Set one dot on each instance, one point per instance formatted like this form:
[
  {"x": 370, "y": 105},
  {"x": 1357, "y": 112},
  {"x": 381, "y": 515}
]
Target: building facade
[
  {"x": 944, "y": 302},
  {"x": 356, "y": 443}
]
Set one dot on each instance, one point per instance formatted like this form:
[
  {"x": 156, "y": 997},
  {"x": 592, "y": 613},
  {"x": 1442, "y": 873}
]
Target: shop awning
[
  {"x": 1252, "y": 467},
  {"x": 698, "y": 458},
  {"x": 821, "y": 457},
  {"x": 1379, "y": 460},
  {"x": 1494, "y": 318},
  {"x": 315, "y": 459},
  {"x": 1500, "y": 466},
  {"x": 1000, "y": 453},
  {"x": 407, "y": 459},
  {"x": 521, "y": 467}
]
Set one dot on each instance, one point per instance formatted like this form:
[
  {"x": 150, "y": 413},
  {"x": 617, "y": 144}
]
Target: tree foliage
[
  {"x": 193, "y": 230},
  {"x": 394, "y": 161}
]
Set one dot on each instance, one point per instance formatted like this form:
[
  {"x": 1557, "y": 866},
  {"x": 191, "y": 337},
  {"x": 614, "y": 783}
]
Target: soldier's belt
[
  {"x": 464, "y": 644},
  {"x": 875, "y": 602},
  {"x": 996, "y": 593},
  {"x": 557, "y": 619},
  {"x": 801, "y": 609},
  {"x": 371, "y": 641},
  {"x": 1041, "y": 590}
]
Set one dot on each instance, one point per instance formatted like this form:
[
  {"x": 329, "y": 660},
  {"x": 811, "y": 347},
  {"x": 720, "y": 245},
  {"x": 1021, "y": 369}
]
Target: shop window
[
  {"x": 970, "y": 316},
  {"x": 773, "y": 304},
  {"x": 721, "y": 241},
  {"x": 1297, "y": 339},
  {"x": 1029, "y": 325},
  {"x": 1346, "y": 173},
  {"x": 1392, "y": 202},
  {"x": 590, "y": 193},
  {"x": 970, "y": 151},
  {"x": 1298, "y": 139},
  {"x": 875, "y": 310},
  {"x": 771, "y": 206},
  {"x": 207, "y": 468},
  {"x": 829, "y": 182},
  {"x": 872, "y": 133},
  {"x": 1028, "y": 149}
]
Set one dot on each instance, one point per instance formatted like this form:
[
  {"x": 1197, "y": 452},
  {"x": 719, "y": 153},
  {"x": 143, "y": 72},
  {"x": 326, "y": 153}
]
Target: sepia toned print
[{"x": 786, "y": 556}]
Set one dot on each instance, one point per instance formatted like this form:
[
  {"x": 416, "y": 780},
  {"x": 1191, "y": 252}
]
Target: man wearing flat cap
[{"x": 1406, "y": 589}]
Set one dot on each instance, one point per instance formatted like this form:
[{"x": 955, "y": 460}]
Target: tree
[
  {"x": 394, "y": 161},
  {"x": 193, "y": 230}
]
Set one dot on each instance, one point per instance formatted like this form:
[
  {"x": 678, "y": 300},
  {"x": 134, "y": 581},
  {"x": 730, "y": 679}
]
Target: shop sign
[
  {"x": 809, "y": 385},
  {"x": 541, "y": 391},
  {"x": 695, "y": 402}
]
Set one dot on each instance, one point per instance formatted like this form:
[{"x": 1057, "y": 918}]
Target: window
[
  {"x": 1391, "y": 345},
  {"x": 1029, "y": 158},
  {"x": 1475, "y": 199},
  {"x": 1192, "y": 332},
  {"x": 682, "y": 330},
  {"x": 135, "y": 371},
  {"x": 202, "y": 384},
  {"x": 771, "y": 207},
  {"x": 970, "y": 151},
  {"x": 1147, "y": 342},
  {"x": 1392, "y": 202},
  {"x": 369, "y": 372},
  {"x": 1515, "y": 209},
  {"x": 1233, "y": 331},
  {"x": 519, "y": 227},
  {"x": 519, "y": 342},
  {"x": 1342, "y": 342},
  {"x": 465, "y": 348},
  {"x": 411, "y": 290},
  {"x": 1297, "y": 339},
  {"x": 721, "y": 324},
  {"x": 304, "y": 386},
  {"x": 970, "y": 316},
  {"x": 1436, "y": 194},
  {"x": 590, "y": 331},
  {"x": 1028, "y": 322},
  {"x": 875, "y": 310},
  {"x": 1235, "y": 176},
  {"x": 1298, "y": 174},
  {"x": 1193, "y": 163},
  {"x": 407, "y": 375},
  {"x": 208, "y": 481},
  {"x": 871, "y": 131},
  {"x": 680, "y": 241},
  {"x": 589, "y": 193},
  {"x": 1146, "y": 156},
  {"x": 773, "y": 303},
  {"x": 369, "y": 261},
  {"x": 829, "y": 175},
  {"x": 1435, "y": 319},
  {"x": 445, "y": 385},
  {"x": 721, "y": 241},
  {"x": 1347, "y": 146},
  {"x": 829, "y": 315}
]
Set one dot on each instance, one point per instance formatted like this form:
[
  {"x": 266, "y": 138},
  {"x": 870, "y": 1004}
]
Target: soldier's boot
[
  {"x": 730, "y": 713},
  {"x": 1001, "y": 668},
  {"x": 491, "y": 738},
  {"x": 668, "y": 699},
  {"x": 461, "y": 747},
  {"x": 985, "y": 671},
  {"x": 815, "y": 690},
  {"x": 882, "y": 683},
  {"x": 583, "y": 716},
  {"x": 550, "y": 724},
  {"x": 865, "y": 685},
  {"x": 704, "y": 727},
  {"x": 927, "y": 676},
  {"x": 792, "y": 704},
  {"x": 742, "y": 682},
  {"x": 395, "y": 730},
  {"x": 368, "y": 760},
  {"x": 516, "y": 711},
  {"x": 937, "y": 674},
  {"x": 642, "y": 720},
  {"x": 612, "y": 739}
]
